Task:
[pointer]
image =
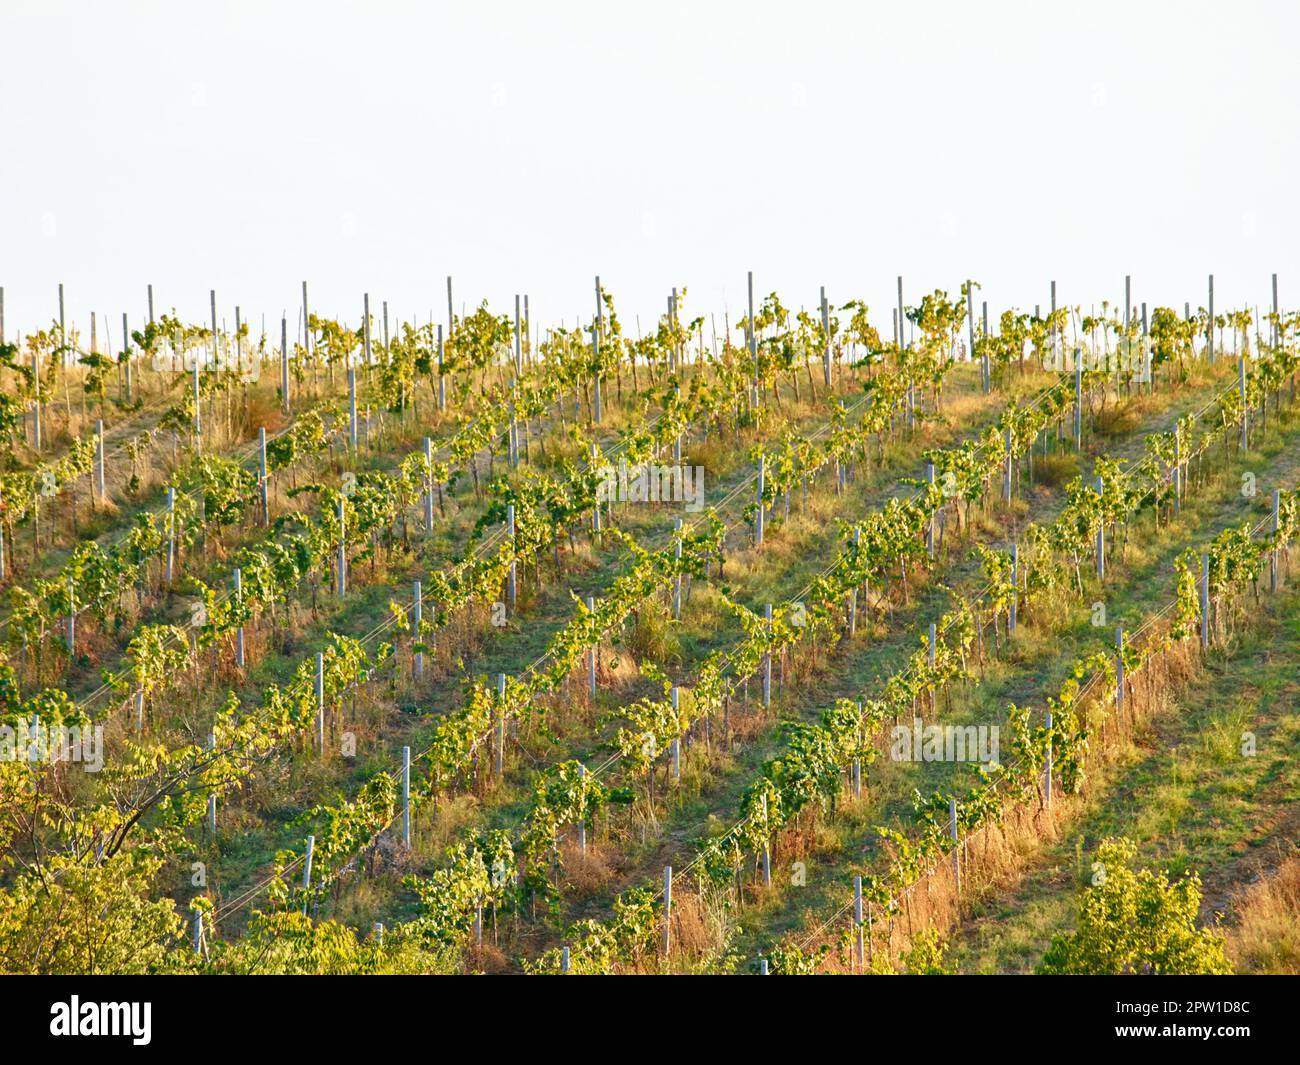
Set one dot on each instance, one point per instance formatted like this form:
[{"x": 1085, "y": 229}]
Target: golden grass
[
  {"x": 995, "y": 856},
  {"x": 1117, "y": 421},
  {"x": 1053, "y": 471},
  {"x": 1266, "y": 935}
]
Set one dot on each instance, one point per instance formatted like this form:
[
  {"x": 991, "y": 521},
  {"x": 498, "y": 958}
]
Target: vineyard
[{"x": 937, "y": 638}]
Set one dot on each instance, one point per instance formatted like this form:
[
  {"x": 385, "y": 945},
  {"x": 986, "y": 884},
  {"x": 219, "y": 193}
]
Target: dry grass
[
  {"x": 1117, "y": 420},
  {"x": 746, "y": 723},
  {"x": 431, "y": 836},
  {"x": 1266, "y": 934},
  {"x": 488, "y": 958},
  {"x": 695, "y": 930},
  {"x": 995, "y": 856},
  {"x": 1053, "y": 471},
  {"x": 718, "y": 458},
  {"x": 589, "y": 874},
  {"x": 262, "y": 411}
]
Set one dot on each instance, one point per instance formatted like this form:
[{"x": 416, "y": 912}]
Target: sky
[{"x": 528, "y": 147}]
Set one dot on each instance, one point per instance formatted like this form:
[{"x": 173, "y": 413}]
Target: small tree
[{"x": 1136, "y": 922}]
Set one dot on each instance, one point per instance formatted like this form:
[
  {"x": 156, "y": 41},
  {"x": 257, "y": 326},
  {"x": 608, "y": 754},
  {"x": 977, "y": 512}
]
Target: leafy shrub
[{"x": 1136, "y": 922}]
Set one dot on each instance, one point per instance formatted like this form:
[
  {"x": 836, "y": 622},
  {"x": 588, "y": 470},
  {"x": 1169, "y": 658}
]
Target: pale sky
[{"x": 526, "y": 147}]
